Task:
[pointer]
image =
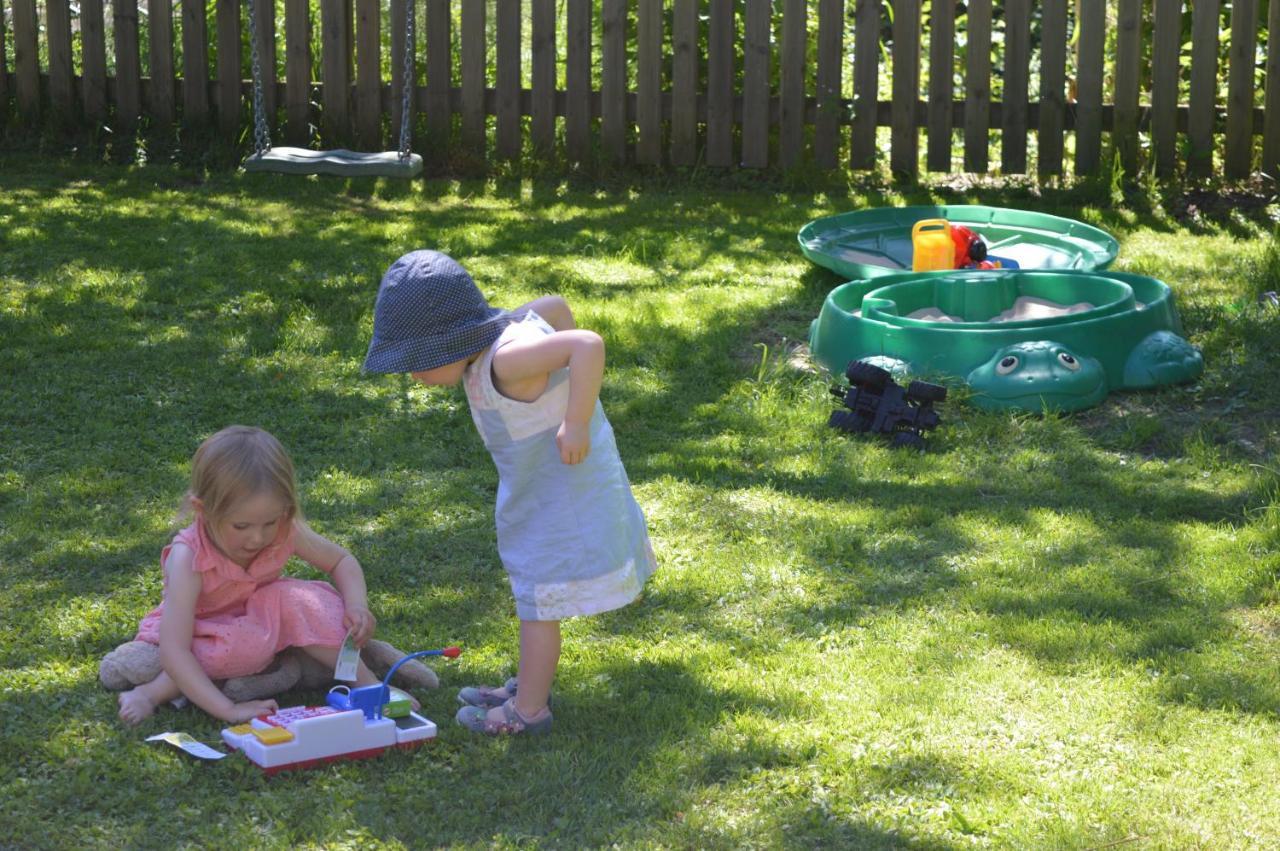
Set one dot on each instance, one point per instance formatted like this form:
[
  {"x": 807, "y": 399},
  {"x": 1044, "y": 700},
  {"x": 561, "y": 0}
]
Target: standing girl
[
  {"x": 570, "y": 534},
  {"x": 227, "y": 611}
]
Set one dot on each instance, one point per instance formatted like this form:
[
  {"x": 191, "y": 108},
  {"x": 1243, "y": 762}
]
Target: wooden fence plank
[
  {"x": 1128, "y": 67},
  {"x": 369, "y": 74},
  {"x": 1238, "y": 154},
  {"x": 26, "y": 57},
  {"x": 398, "y": 11},
  {"x": 335, "y": 69},
  {"x": 93, "y": 61},
  {"x": 826, "y": 130},
  {"x": 684, "y": 81},
  {"x": 720, "y": 38},
  {"x": 613, "y": 79},
  {"x": 1017, "y": 58},
  {"x": 473, "y": 77},
  {"x": 791, "y": 85},
  {"x": 1091, "y": 29},
  {"x": 543, "y": 45},
  {"x": 1053, "y": 81},
  {"x": 866, "y": 83},
  {"x": 1204, "y": 87},
  {"x": 227, "y": 15},
  {"x": 160, "y": 102},
  {"x": 649, "y": 82},
  {"x": 1166, "y": 43},
  {"x": 977, "y": 86},
  {"x": 439, "y": 26},
  {"x": 4, "y": 69},
  {"x": 507, "y": 72},
  {"x": 1271, "y": 124},
  {"x": 297, "y": 70},
  {"x": 577, "y": 75},
  {"x": 904, "y": 138},
  {"x": 61, "y": 92},
  {"x": 756, "y": 54},
  {"x": 124, "y": 34},
  {"x": 195, "y": 63},
  {"x": 264, "y": 15},
  {"x": 941, "y": 84}
]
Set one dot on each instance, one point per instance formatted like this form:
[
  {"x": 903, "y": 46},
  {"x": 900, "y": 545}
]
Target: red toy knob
[{"x": 451, "y": 652}]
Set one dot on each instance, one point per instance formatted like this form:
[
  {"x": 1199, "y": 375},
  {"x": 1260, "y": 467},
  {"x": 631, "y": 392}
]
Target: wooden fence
[{"x": 749, "y": 83}]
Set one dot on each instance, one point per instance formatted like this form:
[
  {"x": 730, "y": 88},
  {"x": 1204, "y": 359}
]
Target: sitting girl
[{"x": 227, "y": 611}]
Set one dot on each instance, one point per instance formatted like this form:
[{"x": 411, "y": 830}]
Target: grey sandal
[
  {"x": 476, "y": 719},
  {"x": 487, "y": 696}
]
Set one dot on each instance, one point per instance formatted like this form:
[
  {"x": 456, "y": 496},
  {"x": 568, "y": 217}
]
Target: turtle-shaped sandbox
[{"x": 1022, "y": 340}]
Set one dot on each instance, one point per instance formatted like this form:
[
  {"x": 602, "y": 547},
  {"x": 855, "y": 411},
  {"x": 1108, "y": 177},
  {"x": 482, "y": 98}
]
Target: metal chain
[
  {"x": 408, "y": 79},
  {"x": 261, "y": 134}
]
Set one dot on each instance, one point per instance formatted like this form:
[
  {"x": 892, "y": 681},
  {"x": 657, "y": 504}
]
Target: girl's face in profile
[{"x": 250, "y": 526}]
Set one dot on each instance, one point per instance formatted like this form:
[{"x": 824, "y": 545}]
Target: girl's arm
[
  {"x": 347, "y": 575},
  {"x": 552, "y": 308},
  {"x": 520, "y": 371},
  {"x": 177, "y": 626}
]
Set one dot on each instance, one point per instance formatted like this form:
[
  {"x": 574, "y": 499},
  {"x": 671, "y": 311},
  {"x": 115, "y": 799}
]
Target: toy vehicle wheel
[
  {"x": 923, "y": 391},
  {"x": 908, "y": 440},
  {"x": 867, "y": 374},
  {"x": 850, "y": 422}
]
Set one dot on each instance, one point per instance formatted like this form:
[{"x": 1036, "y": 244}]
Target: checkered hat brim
[{"x": 429, "y": 313}]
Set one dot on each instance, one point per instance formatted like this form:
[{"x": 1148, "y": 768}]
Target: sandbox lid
[{"x": 877, "y": 241}]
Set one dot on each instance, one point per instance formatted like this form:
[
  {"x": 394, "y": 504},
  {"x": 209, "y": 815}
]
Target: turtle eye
[
  {"x": 1068, "y": 360},
  {"x": 1007, "y": 364}
]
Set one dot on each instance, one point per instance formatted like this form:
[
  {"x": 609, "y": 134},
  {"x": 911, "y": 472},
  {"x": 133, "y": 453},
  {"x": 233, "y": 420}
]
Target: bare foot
[{"x": 135, "y": 705}]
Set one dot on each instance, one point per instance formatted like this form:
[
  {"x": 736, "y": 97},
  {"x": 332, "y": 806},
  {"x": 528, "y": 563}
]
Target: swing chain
[
  {"x": 261, "y": 134},
  {"x": 408, "y": 80}
]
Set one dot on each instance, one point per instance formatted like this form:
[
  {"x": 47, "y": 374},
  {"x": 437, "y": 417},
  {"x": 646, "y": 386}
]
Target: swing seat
[{"x": 339, "y": 162}]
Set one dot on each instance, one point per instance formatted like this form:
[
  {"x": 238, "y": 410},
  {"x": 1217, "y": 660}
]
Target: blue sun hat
[{"x": 429, "y": 313}]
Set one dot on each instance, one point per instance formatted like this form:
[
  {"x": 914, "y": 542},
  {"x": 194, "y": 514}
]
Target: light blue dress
[{"x": 571, "y": 537}]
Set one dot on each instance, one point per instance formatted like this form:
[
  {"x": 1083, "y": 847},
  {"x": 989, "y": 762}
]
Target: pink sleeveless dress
[{"x": 245, "y": 616}]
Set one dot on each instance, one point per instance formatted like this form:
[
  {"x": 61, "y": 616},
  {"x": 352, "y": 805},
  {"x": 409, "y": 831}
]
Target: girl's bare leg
[
  {"x": 139, "y": 702},
  {"x": 328, "y": 656},
  {"x": 539, "y": 656}
]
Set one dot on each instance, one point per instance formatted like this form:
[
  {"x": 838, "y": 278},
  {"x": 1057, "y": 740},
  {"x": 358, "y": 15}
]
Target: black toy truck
[{"x": 877, "y": 404}]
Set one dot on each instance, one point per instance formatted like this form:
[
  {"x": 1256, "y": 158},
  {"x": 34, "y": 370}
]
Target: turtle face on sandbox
[{"x": 1038, "y": 374}]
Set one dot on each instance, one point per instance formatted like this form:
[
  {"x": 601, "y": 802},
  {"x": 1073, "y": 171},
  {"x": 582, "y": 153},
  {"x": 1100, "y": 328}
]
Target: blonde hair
[{"x": 236, "y": 463}]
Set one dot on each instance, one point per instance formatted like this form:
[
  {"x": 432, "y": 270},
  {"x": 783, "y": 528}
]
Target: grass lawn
[{"x": 1045, "y": 632}]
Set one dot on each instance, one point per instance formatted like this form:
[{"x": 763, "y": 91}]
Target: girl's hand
[
  {"x": 361, "y": 623},
  {"x": 251, "y": 709},
  {"x": 574, "y": 441}
]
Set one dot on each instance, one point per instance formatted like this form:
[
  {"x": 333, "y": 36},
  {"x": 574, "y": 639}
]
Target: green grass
[{"x": 1045, "y": 632}]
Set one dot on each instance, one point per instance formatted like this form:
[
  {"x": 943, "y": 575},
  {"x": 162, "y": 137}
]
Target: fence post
[
  {"x": 1238, "y": 157},
  {"x": 720, "y": 33},
  {"x": 335, "y": 64},
  {"x": 473, "y": 76},
  {"x": 1091, "y": 26},
  {"x": 1166, "y": 41},
  {"x": 684, "y": 80},
  {"x": 507, "y": 130},
  {"x": 941, "y": 86},
  {"x": 866, "y": 82},
  {"x": 977, "y": 86},
  {"x": 648, "y": 83},
  {"x": 756, "y": 55},
  {"x": 904, "y": 141},
  {"x": 369, "y": 74},
  {"x": 160, "y": 68},
  {"x": 93, "y": 61},
  {"x": 827, "y": 123},
  {"x": 297, "y": 69},
  {"x": 439, "y": 75},
  {"x": 1017, "y": 58},
  {"x": 26, "y": 57},
  {"x": 791, "y": 82},
  {"x": 1053, "y": 81},
  {"x": 227, "y": 14},
  {"x": 4, "y": 72},
  {"x": 1202, "y": 104},
  {"x": 124, "y": 15},
  {"x": 61, "y": 92},
  {"x": 195, "y": 63},
  {"x": 577, "y": 76},
  {"x": 1124, "y": 128},
  {"x": 1271, "y": 128}
]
